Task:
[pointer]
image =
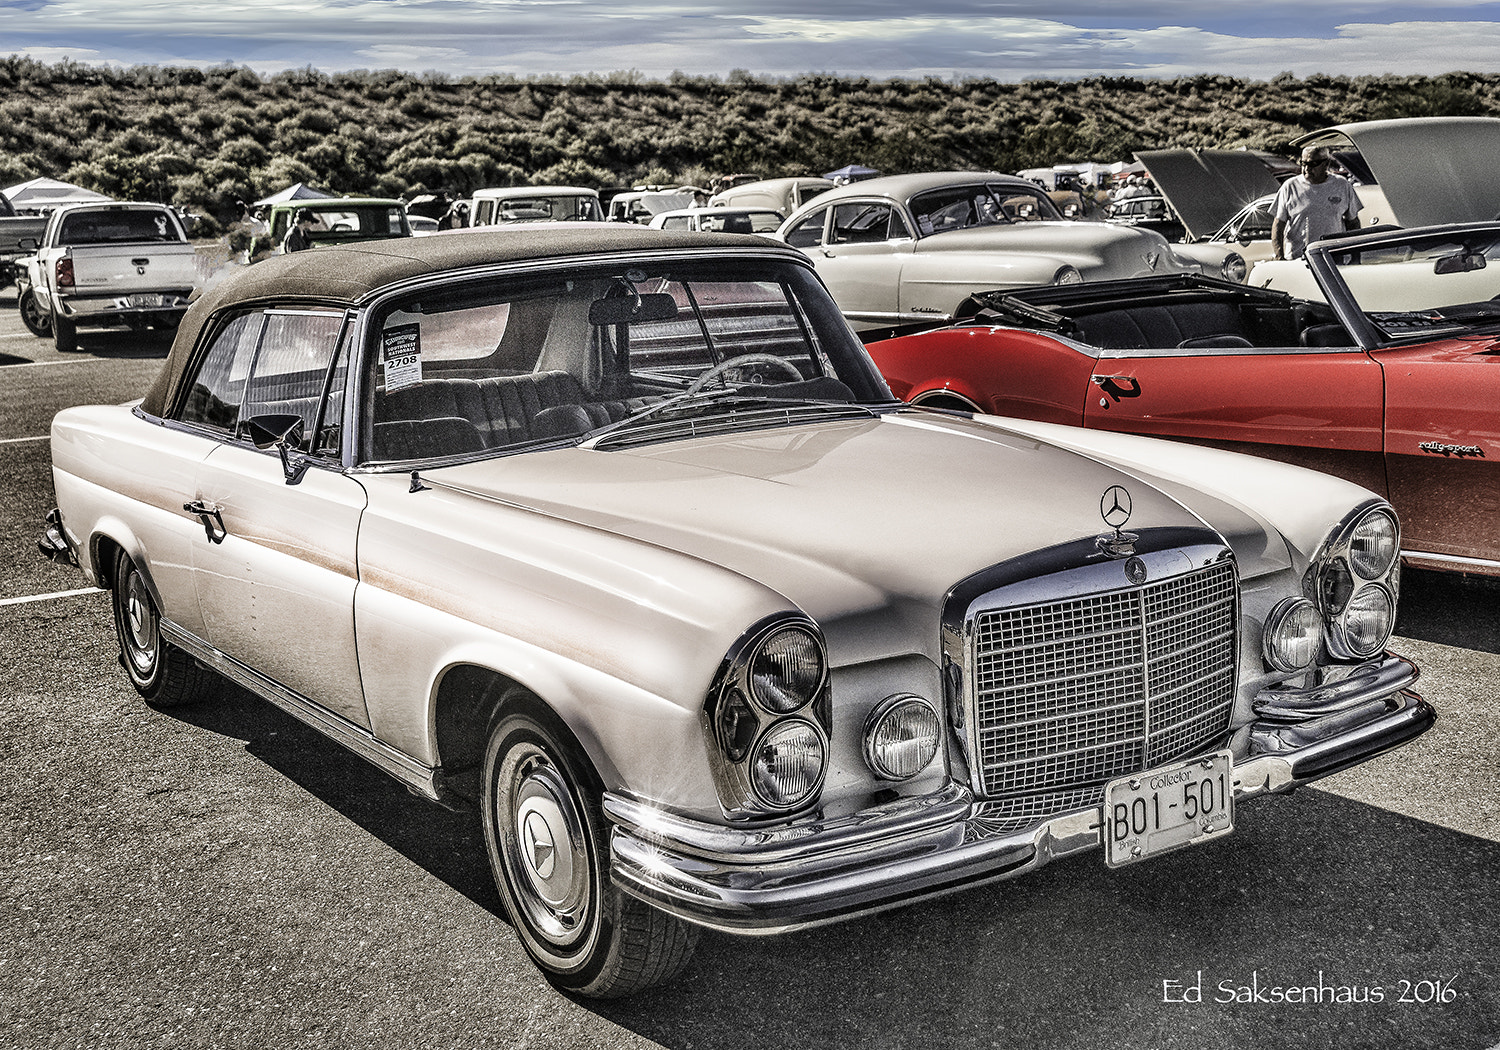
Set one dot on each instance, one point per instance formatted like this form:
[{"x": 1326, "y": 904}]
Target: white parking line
[
  {"x": 17, "y": 441},
  {"x": 49, "y": 597}
]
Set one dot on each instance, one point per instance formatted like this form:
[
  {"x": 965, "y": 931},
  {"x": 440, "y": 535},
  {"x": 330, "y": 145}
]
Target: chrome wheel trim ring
[
  {"x": 549, "y": 859},
  {"x": 141, "y": 634}
]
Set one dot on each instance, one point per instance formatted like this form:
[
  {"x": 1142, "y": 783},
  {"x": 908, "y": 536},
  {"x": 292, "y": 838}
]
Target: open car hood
[
  {"x": 1434, "y": 170},
  {"x": 1207, "y": 187}
]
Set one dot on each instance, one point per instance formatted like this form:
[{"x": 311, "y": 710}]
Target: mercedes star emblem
[{"x": 1115, "y": 507}]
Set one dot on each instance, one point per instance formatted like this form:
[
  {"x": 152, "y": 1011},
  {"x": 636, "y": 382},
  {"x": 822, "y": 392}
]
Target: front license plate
[{"x": 1163, "y": 809}]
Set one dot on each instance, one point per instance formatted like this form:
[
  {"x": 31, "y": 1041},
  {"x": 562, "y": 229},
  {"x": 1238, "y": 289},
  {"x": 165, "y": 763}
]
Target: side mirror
[
  {"x": 29, "y": 244},
  {"x": 283, "y": 432}
]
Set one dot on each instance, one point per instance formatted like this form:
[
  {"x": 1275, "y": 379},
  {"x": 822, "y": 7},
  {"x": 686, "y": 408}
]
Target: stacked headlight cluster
[
  {"x": 768, "y": 716},
  {"x": 1352, "y": 587}
]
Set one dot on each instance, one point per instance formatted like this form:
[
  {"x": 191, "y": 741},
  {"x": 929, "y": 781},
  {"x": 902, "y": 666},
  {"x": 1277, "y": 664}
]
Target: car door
[
  {"x": 275, "y": 561},
  {"x": 860, "y": 259},
  {"x": 1442, "y": 446},
  {"x": 1320, "y": 409}
]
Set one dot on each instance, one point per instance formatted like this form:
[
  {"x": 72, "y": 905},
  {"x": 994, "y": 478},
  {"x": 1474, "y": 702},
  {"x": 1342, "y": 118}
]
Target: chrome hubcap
[
  {"x": 549, "y": 861},
  {"x": 140, "y": 623}
]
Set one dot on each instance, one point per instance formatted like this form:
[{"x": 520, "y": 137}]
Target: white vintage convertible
[
  {"x": 905, "y": 249},
  {"x": 618, "y": 535}
]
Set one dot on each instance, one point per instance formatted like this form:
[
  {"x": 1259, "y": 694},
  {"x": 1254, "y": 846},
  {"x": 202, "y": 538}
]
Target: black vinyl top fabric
[{"x": 346, "y": 276}]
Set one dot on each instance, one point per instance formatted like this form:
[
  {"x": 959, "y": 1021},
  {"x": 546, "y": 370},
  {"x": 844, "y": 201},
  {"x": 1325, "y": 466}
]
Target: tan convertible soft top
[{"x": 346, "y": 276}]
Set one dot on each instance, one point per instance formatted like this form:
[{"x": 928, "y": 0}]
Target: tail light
[{"x": 64, "y": 272}]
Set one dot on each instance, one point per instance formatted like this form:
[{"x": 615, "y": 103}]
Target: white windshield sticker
[{"x": 401, "y": 356}]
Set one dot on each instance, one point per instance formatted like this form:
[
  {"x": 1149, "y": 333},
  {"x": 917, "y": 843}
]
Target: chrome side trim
[
  {"x": 1450, "y": 563},
  {"x": 418, "y": 778}
]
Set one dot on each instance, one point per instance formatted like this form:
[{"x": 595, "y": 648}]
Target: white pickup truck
[{"x": 110, "y": 264}]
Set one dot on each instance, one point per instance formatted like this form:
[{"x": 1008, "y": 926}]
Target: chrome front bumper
[{"x": 773, "y": 880}]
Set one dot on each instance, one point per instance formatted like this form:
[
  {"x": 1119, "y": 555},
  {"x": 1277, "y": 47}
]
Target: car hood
[
  {"x": 1096, "y": 249},
  {"x": 1401, "y": 154},
  {"x": 1207, "y": 187},
  {"x": 856, "y": 522}
]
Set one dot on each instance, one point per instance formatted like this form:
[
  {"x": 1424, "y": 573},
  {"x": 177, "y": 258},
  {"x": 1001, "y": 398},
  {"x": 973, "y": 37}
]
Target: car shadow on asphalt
[
  {"x": 1450, "y": 609},
  {"x": 448, "y": 845},
  {"x": 1312, "y": 890}
]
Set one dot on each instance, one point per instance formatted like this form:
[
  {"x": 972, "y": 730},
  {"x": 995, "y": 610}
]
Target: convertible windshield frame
[
  {"x": 1391, "y": 289},
  {"x": 596, "y": 338}
]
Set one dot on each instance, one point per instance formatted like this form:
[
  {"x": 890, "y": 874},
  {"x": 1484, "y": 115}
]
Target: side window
[
  {"x": 484, "y": 213},
  {"x": 860, "y": 223},
  {"x": 214, "y": 397},
  {"x": 809, "y": 232},
  {"x": 271, "y": 362},
  {"x": 296, "y": 351}
]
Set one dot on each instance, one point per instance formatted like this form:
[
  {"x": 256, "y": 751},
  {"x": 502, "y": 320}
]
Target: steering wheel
[{"x": 744, "y": 362}]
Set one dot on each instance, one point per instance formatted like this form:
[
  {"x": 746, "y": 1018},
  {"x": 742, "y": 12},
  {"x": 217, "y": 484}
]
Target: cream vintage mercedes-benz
[{"x": 618, "y": 535}]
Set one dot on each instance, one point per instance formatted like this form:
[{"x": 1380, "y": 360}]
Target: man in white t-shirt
[{"x": 1312, "y": 205}]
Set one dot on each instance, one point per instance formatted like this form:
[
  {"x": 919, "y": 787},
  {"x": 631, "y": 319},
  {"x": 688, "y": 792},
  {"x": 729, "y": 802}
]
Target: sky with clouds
[{"x": 1003, "y": 39}]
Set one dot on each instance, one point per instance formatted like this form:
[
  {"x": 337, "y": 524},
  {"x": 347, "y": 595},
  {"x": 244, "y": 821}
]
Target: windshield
[
  {"x": 465, "y": 369},
  {"x": 963, "y": 207},
  {"x": 563, "y": 207},
  {"x": 358, "y": 222},
  {"x": 1425, "y": 285}
]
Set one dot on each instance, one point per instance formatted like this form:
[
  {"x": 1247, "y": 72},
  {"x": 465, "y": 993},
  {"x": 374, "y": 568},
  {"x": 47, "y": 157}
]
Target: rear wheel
[
  {"x": 36, "y": 321},
  {"x": 548, "y": 847},
  {"x": 163, "y": 674},
  {"x": 64, "y": 332}
]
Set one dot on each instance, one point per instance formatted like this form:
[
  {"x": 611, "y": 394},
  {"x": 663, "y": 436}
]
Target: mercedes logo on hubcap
[{"x": 541, "y": 851}]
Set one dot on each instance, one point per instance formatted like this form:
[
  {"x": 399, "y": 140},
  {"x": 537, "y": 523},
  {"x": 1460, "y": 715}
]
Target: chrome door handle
[{"x": 210, "y": 515}]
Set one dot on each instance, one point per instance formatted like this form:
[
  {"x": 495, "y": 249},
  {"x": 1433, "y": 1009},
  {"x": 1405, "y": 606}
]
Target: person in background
[
  {"x": 296, "y": 238},
  {"x": 1312, "y": 205}
]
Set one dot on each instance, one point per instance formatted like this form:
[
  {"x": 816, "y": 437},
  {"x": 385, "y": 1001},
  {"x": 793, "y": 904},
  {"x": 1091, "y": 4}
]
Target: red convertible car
[{"x": 1381, "y": 366}]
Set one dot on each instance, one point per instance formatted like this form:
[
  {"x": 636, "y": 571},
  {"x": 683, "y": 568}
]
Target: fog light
[
  {"x": 1293, "y": 633},
  {"x": 1368, "y": 621},
  {"x": 901, "y": 737},
  {"x": 788, "y": 764}
]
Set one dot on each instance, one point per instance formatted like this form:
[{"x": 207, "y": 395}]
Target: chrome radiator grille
[{"x": 1070, "y": 694}]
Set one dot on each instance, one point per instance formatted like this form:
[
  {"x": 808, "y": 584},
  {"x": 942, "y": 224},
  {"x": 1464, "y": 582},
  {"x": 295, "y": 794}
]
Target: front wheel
[
  {"x": 163, "y": 674},
  {"x": 548, "y": 848},
  {"x": 36, "y": 321}
]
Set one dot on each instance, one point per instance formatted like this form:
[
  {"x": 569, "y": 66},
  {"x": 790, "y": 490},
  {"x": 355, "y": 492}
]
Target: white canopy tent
[
  {"x": 297, "y": 191},
  {"x": 43, "y": 194}
]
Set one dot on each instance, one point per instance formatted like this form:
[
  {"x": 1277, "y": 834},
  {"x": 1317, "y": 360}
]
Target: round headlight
[
  {"x": 787, "y": 670},
  {"x": 1374, "y": 545},
  {"x": 1067, "y": 275},
  {"x": 1293, "y": 634},
  {"x": 1233, "y": 267},
  {"x": 1368, "y": 621},
  {"x": 901, "y": 737},
  {"x": 788, "y": 764}
]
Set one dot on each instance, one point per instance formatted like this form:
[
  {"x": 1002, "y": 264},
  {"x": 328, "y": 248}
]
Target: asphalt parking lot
[{"x": 221, "y": 876}]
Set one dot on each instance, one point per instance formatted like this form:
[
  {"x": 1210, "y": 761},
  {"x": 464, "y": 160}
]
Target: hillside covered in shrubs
[{"x": 208, "y": 137}]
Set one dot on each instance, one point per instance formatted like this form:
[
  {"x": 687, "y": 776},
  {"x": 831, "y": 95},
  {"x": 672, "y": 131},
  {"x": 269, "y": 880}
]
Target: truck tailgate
[{"x": 118, "y": 269}]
